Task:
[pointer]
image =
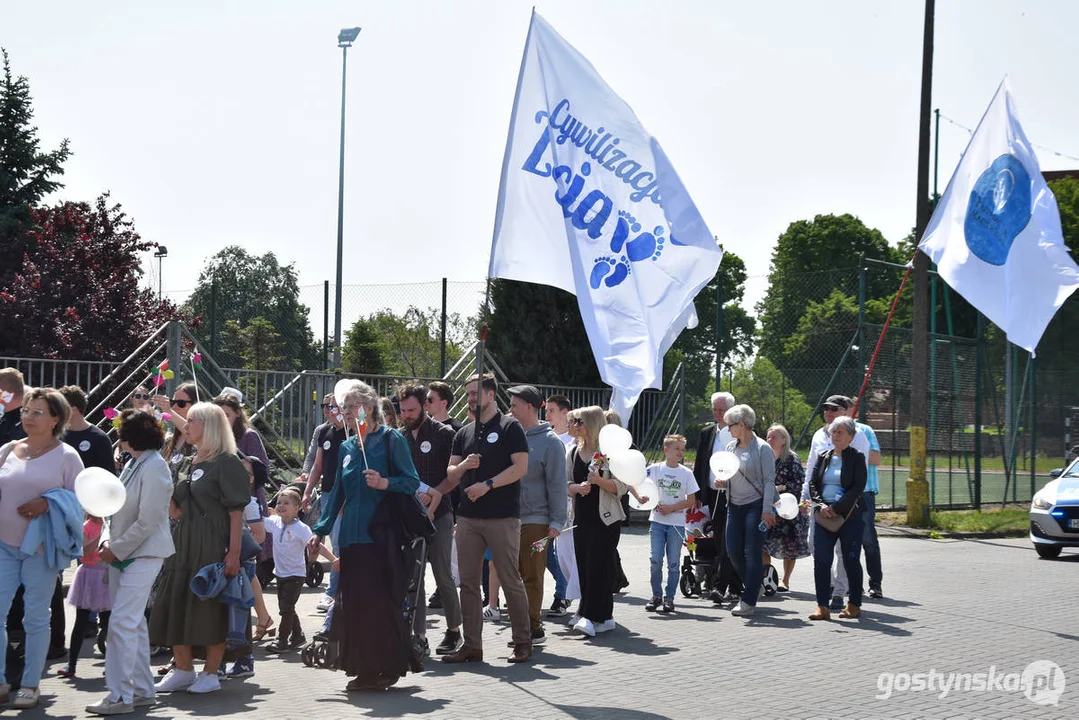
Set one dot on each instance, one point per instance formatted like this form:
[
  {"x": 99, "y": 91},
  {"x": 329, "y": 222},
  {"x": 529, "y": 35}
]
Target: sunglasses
[
  {"x": 141, "y": 396},
  {"x": 331, "y": 406},
  {"x": 181, "y": 403},
  {"x": 576, "y": 421}
]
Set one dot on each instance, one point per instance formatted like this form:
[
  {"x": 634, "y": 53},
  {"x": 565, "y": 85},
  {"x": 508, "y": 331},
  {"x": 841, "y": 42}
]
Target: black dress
[{"x": 594, "y": 544}]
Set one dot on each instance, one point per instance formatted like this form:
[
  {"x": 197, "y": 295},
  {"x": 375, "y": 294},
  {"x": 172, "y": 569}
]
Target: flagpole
[{"x": 480, "y": 349}]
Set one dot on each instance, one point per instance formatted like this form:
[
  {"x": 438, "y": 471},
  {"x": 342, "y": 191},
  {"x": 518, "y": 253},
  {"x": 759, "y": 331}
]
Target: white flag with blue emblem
[
  {"x": 995, "y": 236},
  {"x": 589, "y": 203}
]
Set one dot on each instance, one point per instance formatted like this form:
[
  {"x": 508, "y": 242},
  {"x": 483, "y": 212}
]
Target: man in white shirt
[
  {"x": 556, "y": 410},
  {"x": 835, "y": 406}
]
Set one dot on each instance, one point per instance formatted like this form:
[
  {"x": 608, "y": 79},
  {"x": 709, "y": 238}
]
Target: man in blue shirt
[{"x": 870, "y": 543}]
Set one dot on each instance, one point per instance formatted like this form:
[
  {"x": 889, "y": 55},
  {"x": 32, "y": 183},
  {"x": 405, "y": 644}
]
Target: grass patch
[{"x": 1013, "y": 520}]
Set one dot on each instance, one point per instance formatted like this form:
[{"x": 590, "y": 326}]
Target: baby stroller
[
  {"x": 315, "y": 571},
  {"x": 699, "y": 566},
  {"x": 324, "y": 653}
]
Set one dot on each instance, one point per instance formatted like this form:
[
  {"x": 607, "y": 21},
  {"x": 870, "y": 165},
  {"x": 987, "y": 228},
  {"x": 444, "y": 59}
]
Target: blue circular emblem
[{"x": 998, "y": 210}]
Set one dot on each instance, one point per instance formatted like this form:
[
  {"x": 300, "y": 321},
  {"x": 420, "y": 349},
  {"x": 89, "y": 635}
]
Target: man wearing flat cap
[{"x": 543, "y": 497}]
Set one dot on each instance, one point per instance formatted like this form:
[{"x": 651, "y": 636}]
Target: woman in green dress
[{"x": 209, "y": 496}]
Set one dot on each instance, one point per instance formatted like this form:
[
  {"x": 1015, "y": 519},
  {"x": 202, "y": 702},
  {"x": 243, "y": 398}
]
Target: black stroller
[
  {"x": 699, "y": 566},
  {"x": 324, "y": 653}
]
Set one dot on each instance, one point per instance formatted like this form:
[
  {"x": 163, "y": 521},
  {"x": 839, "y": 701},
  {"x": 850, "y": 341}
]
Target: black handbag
[{"x": 407, "y": 508}]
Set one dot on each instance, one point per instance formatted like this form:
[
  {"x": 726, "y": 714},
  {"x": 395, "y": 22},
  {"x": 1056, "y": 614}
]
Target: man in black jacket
[{"x": 715, "y": 437}]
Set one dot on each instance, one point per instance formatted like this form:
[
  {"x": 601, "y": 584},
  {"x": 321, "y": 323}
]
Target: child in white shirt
[
  {"x": 290, "y": 538},
  {"x": 677, "y": 488}
]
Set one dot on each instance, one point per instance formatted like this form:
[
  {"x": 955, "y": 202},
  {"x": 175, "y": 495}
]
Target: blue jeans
[
  {"x": 869, "y": 539},
  {"x": 331, "y": 589},
  {"x": 745, "y": 543},
  {"x": 39, "y": 582},
  {"x": 556, "y": 572},
  {"x": 850, "y": 542},
  {"x": 666, "y": 541}
]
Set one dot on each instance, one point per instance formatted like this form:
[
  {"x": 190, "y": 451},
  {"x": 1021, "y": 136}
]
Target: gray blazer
[{"x": 141, "y": 527}]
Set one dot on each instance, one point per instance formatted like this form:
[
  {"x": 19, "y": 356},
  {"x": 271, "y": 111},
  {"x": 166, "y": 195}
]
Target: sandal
[
  {"x": 262, "y": 631},
  {"x": 164, "y": 669},
  {"x": 783, "y": 588}
]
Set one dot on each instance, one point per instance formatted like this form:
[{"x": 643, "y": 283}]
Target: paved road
[{"x": 952, "y": 607}]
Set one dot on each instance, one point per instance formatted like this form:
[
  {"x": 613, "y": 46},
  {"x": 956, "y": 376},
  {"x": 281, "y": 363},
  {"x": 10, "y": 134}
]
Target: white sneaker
[
  {"x": 25, "y": 699},
  {"x": 491, "y": 614},
  {"x": 175, "y": 680},
  {"x": 108, "y": 706},
  {"x": 584, "y": 625},
  {"x": 574, "y": 619},
  {"x": 743, "y": 609},
  {"x": 205, "y": 683},
  {"x": 606, "y": 626},
  {"x": 324, "y": 604},
  {"x": 144, "y": 701}
]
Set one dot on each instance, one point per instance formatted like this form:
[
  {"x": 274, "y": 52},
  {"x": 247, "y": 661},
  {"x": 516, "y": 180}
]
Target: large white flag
[
  {"x": 995, "y": 236},
  {"x": 589, "y": 203}
]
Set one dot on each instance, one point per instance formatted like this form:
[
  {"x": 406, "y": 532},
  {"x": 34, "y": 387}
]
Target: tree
[
  {"x": 27, "y": 174},
  {"x": 250, "y": 287},
  {"x": 811, "y": 259},
  {"x": 262, "y": 347},
  {"x": 536, "y": 333},
  {"x": 697, "y": 347},
  {"x": 763, "y": 387},
  {"x": 76, "y": 295},
  {"x": 361, "y": 352}
]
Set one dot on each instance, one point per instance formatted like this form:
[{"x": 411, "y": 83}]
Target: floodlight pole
[
  {"x": 344, "y": 41},
  {"x": 918, "y": 500}
]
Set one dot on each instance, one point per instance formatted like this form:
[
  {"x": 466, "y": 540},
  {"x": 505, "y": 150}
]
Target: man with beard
[
  {"x": 489, "y": 456},
  {"x": 431, "y": 444}
]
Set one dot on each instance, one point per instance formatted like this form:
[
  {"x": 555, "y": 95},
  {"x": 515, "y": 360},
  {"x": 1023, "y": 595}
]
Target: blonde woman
[
  {"x": 209, "y": 496},
  {"x": 598, "y": 516}
]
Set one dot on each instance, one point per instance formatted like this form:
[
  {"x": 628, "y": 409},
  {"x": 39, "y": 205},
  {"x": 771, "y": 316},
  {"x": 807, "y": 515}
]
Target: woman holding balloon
[
  {"x": 750, "y": 489},
  {"x": 597, "y": 514},
  {"x": 788, "y": 539},
  {"x": 31, "y": 468}
]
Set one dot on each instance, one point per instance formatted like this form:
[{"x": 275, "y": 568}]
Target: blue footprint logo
[
  {"x": 609, "y": 271},
  {"x": 646, "y": 246}
]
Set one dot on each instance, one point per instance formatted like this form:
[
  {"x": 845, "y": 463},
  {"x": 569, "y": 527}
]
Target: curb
[{"x": 927, "y": 534}]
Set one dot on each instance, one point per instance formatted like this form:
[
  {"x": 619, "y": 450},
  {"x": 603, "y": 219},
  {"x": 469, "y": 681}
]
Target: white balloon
[
  {"x": 787, "y": 506},
  {"x": 724, "y": 464},
  {"x": 341, "y": 388},
  {"x": 99, "y": 492},
  {"x": 648, "y": 489},
  {"x": 628, "y": 466},
  {"x": 614, "y": 439}
]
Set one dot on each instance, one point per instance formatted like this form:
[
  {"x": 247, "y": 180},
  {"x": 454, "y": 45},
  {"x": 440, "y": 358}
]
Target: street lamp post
[
  {"x": 345, "y": 38},
  {"x": 161, "y": 253}
]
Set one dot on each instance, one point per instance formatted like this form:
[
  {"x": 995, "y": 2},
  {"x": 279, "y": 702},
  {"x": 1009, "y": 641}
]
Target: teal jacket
[{"x": 351, "y": 493}]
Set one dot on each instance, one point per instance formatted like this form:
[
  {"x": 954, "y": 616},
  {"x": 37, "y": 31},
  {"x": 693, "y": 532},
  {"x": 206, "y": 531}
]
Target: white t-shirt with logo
[
  {"x": 675, "y": 485},
  {"x": 289, "y": 544}
]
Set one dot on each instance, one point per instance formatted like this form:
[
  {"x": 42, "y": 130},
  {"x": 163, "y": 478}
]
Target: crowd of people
[{"x": 499, "y": 502}]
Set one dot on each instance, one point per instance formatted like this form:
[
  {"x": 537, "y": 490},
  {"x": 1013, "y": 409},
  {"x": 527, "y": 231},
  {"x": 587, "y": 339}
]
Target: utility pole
[
  {"x": 344, "y": 41},
  {"x": 918, "y": 501}
]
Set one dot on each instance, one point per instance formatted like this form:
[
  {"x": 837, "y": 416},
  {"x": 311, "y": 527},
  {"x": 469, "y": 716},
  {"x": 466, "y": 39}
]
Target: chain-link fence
[
  {"x": 818, "y": 334},
  {"x": 395, "y": 328}
]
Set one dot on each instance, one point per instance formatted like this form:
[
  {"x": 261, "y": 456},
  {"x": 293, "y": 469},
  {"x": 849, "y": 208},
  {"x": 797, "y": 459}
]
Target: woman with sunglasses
[
  {"x": 177, "y": 448},
  {"x": 141, "y": 399}
]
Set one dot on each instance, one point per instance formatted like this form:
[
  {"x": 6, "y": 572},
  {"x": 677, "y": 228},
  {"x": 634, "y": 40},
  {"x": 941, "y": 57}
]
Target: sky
[{"x": 216, "y": 124}]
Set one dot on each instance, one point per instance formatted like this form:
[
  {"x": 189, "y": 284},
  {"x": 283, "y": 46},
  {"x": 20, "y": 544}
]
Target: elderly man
[
  {"x": 834, "y": 407},
  {"x": 715, "y": 437},
  {"x": 543, "y": 497}
]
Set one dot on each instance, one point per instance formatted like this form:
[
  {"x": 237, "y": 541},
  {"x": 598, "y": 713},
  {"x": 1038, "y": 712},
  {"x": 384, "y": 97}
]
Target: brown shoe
[
  {"x": 465, "y": 654},
  {"x": 822, "y": 613},
  {"x": 851, "y": 611},
  {"x": 521, "y": 653}
]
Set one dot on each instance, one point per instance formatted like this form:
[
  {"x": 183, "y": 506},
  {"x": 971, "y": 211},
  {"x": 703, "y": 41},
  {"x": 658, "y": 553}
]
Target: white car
[{"x": 1054, "y": 513}]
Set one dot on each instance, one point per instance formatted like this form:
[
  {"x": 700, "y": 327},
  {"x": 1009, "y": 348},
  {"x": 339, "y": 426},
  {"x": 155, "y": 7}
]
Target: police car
[{"x": 1054, "y": 513}]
